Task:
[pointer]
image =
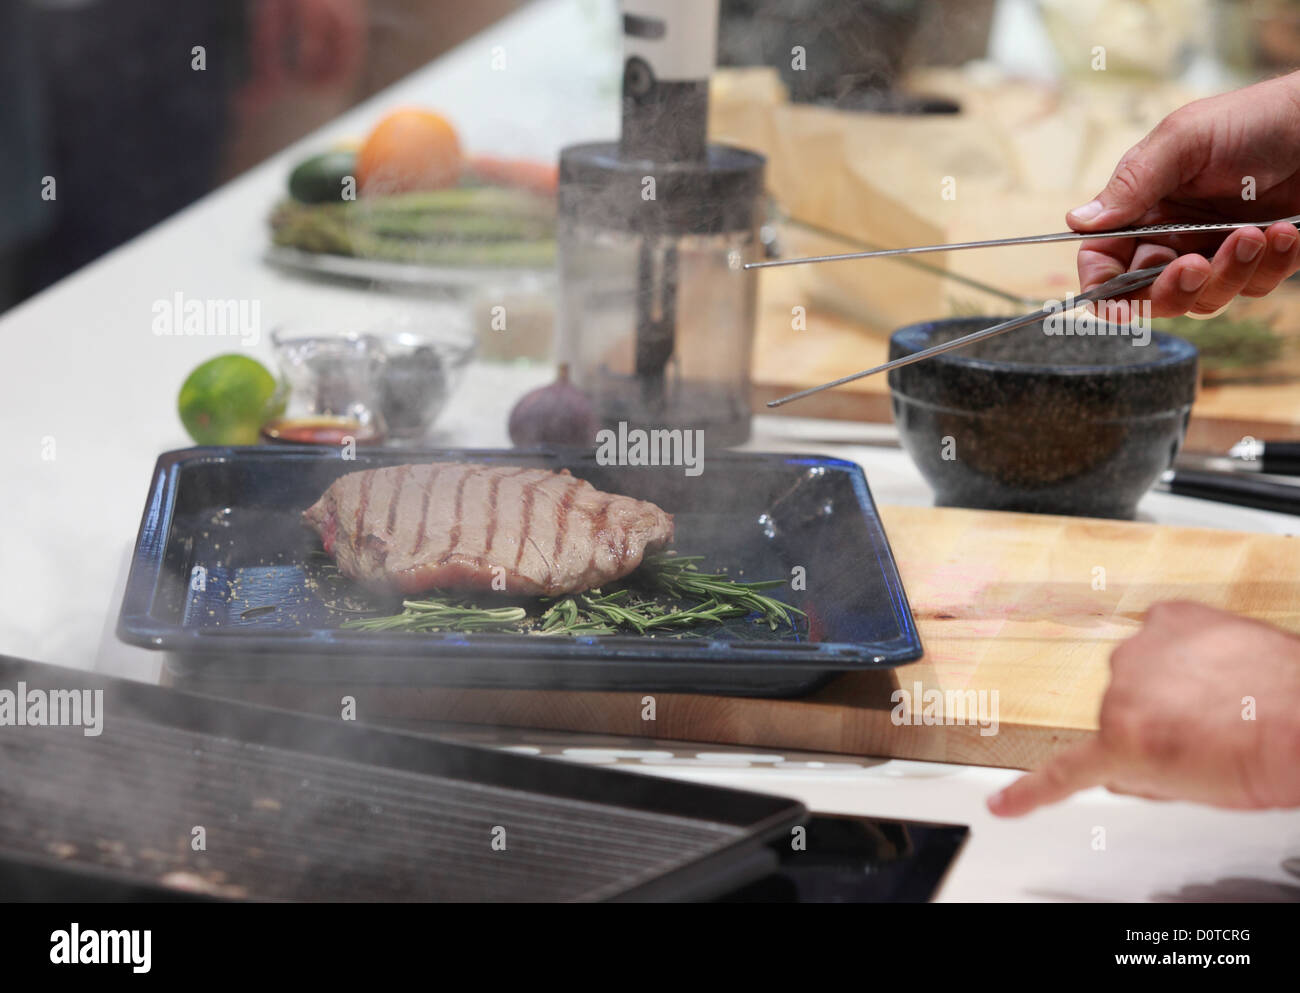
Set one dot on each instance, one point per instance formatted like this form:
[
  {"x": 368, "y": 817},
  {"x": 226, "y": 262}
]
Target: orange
[{"x": 409, "y": 150}]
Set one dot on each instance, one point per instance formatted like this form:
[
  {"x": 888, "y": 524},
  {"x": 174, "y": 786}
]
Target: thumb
[{"x": 1148, "y": 172}]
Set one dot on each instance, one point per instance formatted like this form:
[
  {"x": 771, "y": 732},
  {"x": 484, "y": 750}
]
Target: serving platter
[
  {"x": 449, "y": 280},
  {"x": 222, "y": 579}
]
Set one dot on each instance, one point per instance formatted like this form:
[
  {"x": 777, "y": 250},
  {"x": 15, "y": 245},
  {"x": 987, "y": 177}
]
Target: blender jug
[{"x": 656, "y": 313}]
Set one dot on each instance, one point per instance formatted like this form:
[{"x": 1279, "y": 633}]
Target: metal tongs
[
  {"x": 1120, "y": 286},
  {"x": 1151, "y": 230}
]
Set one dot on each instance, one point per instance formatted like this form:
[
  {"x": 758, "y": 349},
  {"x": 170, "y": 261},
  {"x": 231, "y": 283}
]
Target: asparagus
[{"x": 474, "y": 226}]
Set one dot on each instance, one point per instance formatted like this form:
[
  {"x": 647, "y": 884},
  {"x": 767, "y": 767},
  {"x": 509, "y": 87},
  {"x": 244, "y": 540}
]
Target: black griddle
[{"x": 304, "y": 808}]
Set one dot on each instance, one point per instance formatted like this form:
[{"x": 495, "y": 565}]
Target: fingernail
[
  {"x": 1247, "y": 249},
  {"x": 996, "y": 800},
  {"x": 1282, "y": 242},
  {"x": 1192, "y": 280},
  {"x": 1088, "y": 211}
]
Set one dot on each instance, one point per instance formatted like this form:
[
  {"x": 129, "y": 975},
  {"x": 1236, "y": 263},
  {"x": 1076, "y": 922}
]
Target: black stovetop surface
[{"x": 858, "y": 860}]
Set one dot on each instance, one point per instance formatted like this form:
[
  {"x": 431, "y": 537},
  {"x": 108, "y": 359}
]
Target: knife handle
[
  {"x": 1243, "y": 491},
  {"x": 1281, "y": 458}
]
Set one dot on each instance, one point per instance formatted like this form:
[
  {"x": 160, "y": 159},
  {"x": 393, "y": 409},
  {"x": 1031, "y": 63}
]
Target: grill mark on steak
[
  {"x": 562, "y": 523},
  {"x": 403, "y": 476},
  {"x": 363, "y": 500},
  {"x": 493, "y": 488},
  {"x": 457, "y": 516},
  {"x": 598, "y": 527},
  {"x": 438, "y": 555},
  {"x": 424, "y": 507},
  {"x": 526, "y": 519}
]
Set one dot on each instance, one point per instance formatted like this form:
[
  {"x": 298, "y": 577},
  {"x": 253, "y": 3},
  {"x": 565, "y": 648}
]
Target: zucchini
[{"x": 320, "y": 178}]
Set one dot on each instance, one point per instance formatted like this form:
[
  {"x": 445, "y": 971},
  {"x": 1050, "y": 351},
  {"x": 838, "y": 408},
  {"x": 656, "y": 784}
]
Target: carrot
[{"x": 524, "y": 174}]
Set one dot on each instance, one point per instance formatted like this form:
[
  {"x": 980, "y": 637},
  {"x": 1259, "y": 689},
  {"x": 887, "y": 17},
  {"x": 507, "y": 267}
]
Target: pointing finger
[{"x": 1075, "y": 769}]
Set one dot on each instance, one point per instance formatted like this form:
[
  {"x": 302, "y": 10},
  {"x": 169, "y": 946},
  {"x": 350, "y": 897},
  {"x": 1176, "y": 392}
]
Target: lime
[{"x": 226, "y": 400}]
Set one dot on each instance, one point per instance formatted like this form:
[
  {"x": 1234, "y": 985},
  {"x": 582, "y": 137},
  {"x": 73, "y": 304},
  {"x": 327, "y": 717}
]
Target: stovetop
[{"x": 842, "y": 859}]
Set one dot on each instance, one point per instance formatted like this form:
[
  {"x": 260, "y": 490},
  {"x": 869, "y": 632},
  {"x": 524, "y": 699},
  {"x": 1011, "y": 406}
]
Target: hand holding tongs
[{"x": 1118, "y": 287}]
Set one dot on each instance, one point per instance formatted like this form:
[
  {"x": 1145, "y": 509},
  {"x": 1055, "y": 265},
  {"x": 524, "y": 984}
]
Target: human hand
[
  {"x": 1174, "y": 722},
  {"x": 1194, "y": 167}
]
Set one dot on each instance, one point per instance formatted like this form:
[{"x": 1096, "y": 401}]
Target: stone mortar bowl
[{"x": 1046, "y": 423}]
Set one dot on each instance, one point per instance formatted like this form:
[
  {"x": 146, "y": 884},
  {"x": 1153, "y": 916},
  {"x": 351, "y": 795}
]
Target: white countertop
[{"x": 84, "y": 370}]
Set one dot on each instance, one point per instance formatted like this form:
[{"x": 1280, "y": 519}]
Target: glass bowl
[{"x": 423, "y": 367}]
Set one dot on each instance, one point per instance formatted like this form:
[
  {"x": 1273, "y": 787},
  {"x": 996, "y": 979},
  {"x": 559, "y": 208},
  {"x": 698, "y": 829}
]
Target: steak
[{"x": 459, "y": 526}]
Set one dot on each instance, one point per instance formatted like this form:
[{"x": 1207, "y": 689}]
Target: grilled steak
[{"x": 456, "y": 526}]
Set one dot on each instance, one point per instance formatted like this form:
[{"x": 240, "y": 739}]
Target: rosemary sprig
[
  {"x": 440, "y": 615},
  {"x": 668, "y": 593},
  {"x": 1225, "y": 343},
  {"x": 679, "y": 576}
]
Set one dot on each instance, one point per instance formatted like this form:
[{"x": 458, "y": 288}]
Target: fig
[{"x": 556, "y": 414}]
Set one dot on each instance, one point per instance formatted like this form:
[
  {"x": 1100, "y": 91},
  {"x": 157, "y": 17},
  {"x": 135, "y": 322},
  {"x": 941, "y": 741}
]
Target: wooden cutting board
[{"x": 1023, "y": 606}]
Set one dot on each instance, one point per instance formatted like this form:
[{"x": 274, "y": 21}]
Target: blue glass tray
[{"x": 221, "y": 579}]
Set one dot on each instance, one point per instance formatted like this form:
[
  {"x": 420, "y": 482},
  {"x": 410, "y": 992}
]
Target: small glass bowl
[
  {"x": 331, "y": 380},
  {"x": 390, "y": 383},
  {"x": 423, "y": 368}
]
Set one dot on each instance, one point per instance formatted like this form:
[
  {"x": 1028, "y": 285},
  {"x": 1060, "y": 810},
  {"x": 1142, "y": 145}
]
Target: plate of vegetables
[{"x": 409, "y": 207}]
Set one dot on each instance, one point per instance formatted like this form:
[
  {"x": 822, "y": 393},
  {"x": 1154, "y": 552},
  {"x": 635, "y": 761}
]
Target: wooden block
[{"x": 1005, "y": 603}]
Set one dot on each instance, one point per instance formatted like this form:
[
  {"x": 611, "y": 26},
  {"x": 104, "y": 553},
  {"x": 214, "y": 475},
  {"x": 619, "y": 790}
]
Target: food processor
[{"x": 656, "y": 313}]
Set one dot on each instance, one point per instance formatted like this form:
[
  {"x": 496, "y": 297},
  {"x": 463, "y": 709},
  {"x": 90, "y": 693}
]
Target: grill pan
[
  {"x": 303, "y": 808},
  {"x": 235, "y": 513}
]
